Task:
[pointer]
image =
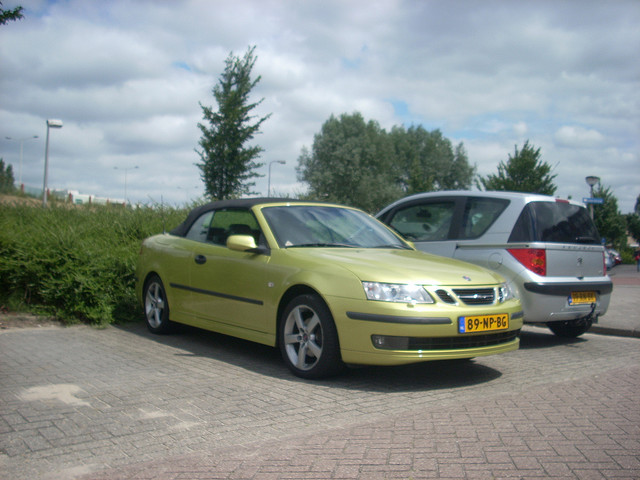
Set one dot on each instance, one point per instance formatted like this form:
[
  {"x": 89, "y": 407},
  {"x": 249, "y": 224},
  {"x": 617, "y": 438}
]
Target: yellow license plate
[
  {"x": 581, "y": 298},
  {"x": 483, "y": 323}
]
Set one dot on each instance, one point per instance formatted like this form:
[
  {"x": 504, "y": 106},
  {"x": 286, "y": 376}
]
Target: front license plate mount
[
  {"x": 582, "y": 298},
  {"x": 483, "y": 323}
]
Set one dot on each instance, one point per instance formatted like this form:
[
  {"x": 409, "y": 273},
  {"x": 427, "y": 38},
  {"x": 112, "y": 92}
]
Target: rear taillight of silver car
[{"x": 534, "y": 259}]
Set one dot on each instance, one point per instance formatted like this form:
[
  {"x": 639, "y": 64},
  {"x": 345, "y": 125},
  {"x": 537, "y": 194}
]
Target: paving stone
[{"x": 201, "y": 405}]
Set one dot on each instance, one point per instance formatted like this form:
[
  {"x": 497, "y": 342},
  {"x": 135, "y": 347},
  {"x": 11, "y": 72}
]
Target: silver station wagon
[{"x": 548, "y": 249}]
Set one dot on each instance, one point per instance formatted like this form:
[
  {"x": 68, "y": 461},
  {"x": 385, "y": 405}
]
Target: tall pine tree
[
  {"x": 228, "y": 164},
  {"x": 524, "y": 172}
]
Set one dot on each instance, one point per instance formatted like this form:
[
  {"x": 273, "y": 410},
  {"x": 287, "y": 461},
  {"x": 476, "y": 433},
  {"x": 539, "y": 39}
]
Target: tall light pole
[
  {"x": 125, "y": 179},
  {"x": 281, "y": 162},
  {"x": 592, "y": 181},
  {"x": 51, "y": 123},
  {"x": 21, "y": 140}
]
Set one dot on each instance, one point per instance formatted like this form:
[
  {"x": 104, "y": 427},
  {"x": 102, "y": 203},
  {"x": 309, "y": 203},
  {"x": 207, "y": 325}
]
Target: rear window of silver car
[{"x": 554, "y": 222}]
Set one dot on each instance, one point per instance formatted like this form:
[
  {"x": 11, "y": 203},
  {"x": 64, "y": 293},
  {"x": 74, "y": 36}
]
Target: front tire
[
  {"x": 570, "y": 328},
  {"x": 308, "y": 338},
  {"x": 156, "y": 306}
]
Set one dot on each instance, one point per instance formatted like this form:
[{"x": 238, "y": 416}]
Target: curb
[{"x": 614, "y": 331}]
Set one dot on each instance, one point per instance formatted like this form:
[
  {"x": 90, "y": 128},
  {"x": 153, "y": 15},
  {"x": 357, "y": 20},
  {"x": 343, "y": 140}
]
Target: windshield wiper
[
  {"x": 322, "y": 244},
  {"x": 586, "y": 240},
  {"x": 394, "y": 246}
]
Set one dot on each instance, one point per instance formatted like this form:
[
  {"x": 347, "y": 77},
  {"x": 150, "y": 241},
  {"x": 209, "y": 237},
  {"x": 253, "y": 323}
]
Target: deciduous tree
[
  {"x": 351, "y": 162},
  {"x": 357, "y": 162},
  {"x": 633, "y": 221},
  {"x": 611, "y": 223},
  {"x": 428, "y": 162},
  {"x": 6, "y": 178},
  {"x": 633, "y": 225}
]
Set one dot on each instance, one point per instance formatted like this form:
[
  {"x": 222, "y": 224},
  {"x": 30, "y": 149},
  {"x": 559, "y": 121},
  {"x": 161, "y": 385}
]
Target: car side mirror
[{"x": 244, "y": 243}]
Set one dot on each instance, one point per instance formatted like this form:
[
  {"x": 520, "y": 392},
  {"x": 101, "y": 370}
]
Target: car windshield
[{"x": 327, "y": 226}]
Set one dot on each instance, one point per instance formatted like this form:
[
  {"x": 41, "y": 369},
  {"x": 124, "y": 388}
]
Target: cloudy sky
[{"x": 126, "y": 78}]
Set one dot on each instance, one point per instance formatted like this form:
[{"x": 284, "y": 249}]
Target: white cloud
[
  {"x": 578, "y": 137},
  {"x": 520, "y": 129},
  {"x": 126, "y": 77}
]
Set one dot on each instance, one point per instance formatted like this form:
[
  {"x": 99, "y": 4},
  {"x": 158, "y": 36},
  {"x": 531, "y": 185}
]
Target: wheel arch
[
  {"x": 143, "y": 283},
  {"x": 145, "y": 280}
]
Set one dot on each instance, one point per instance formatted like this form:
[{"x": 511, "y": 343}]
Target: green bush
[
  {"x": 76, "y": 263},
  {"x": 628, "y": 255}
]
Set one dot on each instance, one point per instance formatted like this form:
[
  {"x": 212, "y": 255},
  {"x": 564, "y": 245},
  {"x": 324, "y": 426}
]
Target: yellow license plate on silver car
[
  {"x": 582, "y": 298},
  {"x": 483, "y": 323}
]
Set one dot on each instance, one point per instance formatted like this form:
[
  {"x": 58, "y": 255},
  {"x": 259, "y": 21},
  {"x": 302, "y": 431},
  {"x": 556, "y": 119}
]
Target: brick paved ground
[
  {"x": 121, "y": 403},
  {"x": 538, "y": 433}
]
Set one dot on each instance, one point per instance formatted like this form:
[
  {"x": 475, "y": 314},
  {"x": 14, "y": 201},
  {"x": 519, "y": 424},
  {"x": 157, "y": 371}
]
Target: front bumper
[{"x": 379, "y": 333}]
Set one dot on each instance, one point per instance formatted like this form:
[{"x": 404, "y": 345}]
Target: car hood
[{"x": 401, "y": 266}]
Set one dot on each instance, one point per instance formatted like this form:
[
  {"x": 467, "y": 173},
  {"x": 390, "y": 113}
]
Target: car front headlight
[
  {"x": 391, "y": 292},
  {"x": 505, "y": 292}
]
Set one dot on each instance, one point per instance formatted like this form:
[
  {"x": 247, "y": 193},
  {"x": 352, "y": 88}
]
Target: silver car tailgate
[{"x": 572, "y": 260}]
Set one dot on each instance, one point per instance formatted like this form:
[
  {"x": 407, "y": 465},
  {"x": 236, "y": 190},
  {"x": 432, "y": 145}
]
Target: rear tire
[
  {"x": 156, "y": 306},
  {"x": 570, "y": 328},
  {"x": 308, "y": 338}
]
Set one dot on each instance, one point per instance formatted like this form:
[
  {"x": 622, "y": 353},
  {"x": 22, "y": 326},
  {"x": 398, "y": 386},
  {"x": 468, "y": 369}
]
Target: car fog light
[{"x": 390, "y": 343}]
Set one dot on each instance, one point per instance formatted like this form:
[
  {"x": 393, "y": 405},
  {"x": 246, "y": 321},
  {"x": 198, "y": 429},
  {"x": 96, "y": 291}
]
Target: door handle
[{"x": 200, "y": 259}]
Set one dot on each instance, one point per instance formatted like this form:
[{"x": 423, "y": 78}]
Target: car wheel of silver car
[
  {"x": 156, "y": 306},
  {"x": 308, "y": 338},
  {"x": 570, "y": 328}
]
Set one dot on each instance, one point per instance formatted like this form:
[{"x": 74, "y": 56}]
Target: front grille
[
  {"x": 453, "y": 343},
  {"x": 477, "y": 296},
  {"x": 445, "y": 297}
]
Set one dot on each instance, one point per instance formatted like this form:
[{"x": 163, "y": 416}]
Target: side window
[
  {"x": 523, "y": 230},
  {"x": 479, "y": 215},
  {"x": 200, "y": 228},
  {"x": 426, "y": 222},
  {"x": 228, "y": 222},
  {"x": 215, "y": 227}
]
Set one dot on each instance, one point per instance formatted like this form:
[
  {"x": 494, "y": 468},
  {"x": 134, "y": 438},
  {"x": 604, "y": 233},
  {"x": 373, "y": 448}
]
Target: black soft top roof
[{"x": 182, "y": 229}]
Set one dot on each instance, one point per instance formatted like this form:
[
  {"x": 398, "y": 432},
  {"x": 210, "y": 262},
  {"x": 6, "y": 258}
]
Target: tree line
[{"x": 356, "y": 162}]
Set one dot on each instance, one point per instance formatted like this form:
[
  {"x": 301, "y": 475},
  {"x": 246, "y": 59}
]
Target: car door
[
  {"x": 229, "y": 286},
  {"x": 429, "y": 223},
  {"x": 477, "y": 241}
]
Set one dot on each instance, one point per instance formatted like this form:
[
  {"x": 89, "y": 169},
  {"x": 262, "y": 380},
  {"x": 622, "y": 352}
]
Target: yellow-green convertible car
[{"x": 329, "y": 285}]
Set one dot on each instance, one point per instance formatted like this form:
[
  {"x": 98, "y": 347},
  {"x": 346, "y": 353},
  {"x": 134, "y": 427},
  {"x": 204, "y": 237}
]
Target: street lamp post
[
  {"x": 125, "y": 179},
  {"x": 592, "y": 181},
  {"x": 51, "y": 123},
  {"x": 281, "y": 162},
  {"x": 21, "y": 140}
]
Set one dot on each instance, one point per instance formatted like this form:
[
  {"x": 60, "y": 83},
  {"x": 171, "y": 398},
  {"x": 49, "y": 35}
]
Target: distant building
[
  {"x": 72, "y": 196},
  {"x": 77, "y": 198}
]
